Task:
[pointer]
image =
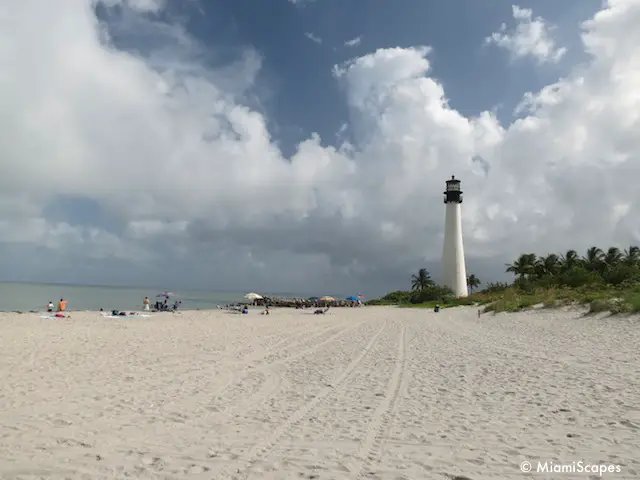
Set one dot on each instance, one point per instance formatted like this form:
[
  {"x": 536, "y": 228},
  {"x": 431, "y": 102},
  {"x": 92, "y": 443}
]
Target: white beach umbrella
[{"x": 253, "y": 296}]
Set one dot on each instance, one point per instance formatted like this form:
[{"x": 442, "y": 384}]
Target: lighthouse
[{"x": 454, "y": 272}]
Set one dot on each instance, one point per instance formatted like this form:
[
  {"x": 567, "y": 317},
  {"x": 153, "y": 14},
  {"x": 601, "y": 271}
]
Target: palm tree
[
  {"x": 632, "y": 256},
  {"x": 612, "y": 257},
  {"x": 473, "y": 282},
  {"x": 549, "y": 265},
  {"x": 569, "y": 260},
  {"x": 421, "y": 281},
  {"x": 523, "y": 266},
  {"x": 593, "y": 259}
]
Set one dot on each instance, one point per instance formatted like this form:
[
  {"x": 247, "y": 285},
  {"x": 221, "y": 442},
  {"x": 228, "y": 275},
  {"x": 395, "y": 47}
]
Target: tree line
[
  {"x": 597, "y": 266},
  {"x": 423, "y": 289},
  {"x": 611, "y": 266}
]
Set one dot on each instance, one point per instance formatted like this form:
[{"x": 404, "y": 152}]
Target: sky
[{"x": 303, "y": 146}]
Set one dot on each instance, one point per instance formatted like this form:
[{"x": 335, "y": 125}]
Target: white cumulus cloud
[
  {"x": 532, "y": 37},
  {"x": 313, "y": 38},
  {"x": 354, "y": 42},
  {"x": 173, "y": 156}
]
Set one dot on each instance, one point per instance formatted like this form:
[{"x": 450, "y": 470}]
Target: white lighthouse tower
[{"x": 454, "y": 271}]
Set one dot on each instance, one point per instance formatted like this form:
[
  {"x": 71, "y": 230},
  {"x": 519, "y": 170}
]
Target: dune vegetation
[{"x": 602, "y": 280}]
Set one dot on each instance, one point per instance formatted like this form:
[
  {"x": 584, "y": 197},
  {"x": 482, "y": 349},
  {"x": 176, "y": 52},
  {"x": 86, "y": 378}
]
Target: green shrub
[
  {"x": 591, "y": 296},
  {"x": 462, "y": 301},
  {"x": 495, "y": 287},
  {"x": 620, "y": 306},
  {"x": 393, "y": 298},
  {"x": 489, "y": 308},
  {"x": 632, "y": 299},
  {"x": 621, "y": 274},
  {"x": 578, "y": 277},
  {"x": 378, "y": 301},
  {"x": 597, "y": 306},
  {"x": 399, "y": 296},
  {"x": 432, "y": 293}
]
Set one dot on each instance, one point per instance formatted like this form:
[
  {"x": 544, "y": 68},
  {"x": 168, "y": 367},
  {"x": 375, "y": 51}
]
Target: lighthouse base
[{"x": 454, "y": 271}]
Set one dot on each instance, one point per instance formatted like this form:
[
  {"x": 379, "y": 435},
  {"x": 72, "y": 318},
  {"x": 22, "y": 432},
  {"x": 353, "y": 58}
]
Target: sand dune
[{"x": 376, "y": 393}]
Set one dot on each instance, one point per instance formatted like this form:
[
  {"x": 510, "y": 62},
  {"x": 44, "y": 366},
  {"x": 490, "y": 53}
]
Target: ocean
[{"x": 35, "y": 296}]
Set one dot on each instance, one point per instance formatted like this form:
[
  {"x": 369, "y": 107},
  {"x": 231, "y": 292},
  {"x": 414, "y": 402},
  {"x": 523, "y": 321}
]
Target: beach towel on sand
[{"x": 126, "y": 316}]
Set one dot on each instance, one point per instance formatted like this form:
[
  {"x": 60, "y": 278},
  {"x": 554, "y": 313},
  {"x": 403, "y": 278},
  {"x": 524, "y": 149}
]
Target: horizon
[{"x": 159, "y": 290}]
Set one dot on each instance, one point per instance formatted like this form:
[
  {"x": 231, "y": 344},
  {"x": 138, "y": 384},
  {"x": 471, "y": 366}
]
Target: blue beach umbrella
[
  {"x": 165, "y": 295},
  {"x": 313, "y": 299},
  {"x": 353, "y": 298}
]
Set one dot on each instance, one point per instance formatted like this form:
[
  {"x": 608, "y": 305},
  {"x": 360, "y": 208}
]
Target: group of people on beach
[
  {"x": 158, "y": 307},
  {"x": 243, "y": 308},
  {"x": 161, "y": 306},
  {"x": 62, "y": 306}
]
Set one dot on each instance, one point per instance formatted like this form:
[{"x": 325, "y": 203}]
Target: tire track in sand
[
  {"x": 378, "y": 431},
  {"x": 259, "y": 450},
  {"x": 262, "y": 353},
  {"x": 272, "y": 378},
  {"x": 245, "y": 365}
]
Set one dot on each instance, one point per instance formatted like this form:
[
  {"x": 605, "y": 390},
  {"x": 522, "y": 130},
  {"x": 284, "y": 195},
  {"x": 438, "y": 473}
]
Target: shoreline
[
  {"x": 27, "y": 297},
  {"x": 220, "y": 308}
]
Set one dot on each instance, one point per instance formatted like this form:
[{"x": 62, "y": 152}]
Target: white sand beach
[{"x": 375, "y": 393}]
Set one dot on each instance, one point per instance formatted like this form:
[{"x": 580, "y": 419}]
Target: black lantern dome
[{"x": 452, "y": 193}]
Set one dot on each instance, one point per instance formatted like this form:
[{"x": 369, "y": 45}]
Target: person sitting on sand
[
  {"x": 62, "y": 305},
  {"x": 50, "y": 307},
  {"x": 266, "y": 310}
]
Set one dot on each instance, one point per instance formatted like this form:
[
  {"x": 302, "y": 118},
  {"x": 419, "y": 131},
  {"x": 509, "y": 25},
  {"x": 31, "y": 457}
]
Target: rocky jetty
[{"x": 303, "y": 302}]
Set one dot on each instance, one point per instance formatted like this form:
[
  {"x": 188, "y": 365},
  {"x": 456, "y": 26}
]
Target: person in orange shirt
[{"x": 62, "y": 305}]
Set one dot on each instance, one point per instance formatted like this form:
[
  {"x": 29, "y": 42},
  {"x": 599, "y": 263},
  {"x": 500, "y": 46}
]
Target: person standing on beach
[
  {"x": 50, "y": 307},
  {"x": 62, "y": 305},
  {"x": 145, "y": 302}
]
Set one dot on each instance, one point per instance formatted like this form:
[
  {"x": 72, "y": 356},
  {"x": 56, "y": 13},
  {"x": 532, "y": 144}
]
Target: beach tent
[{"x": 253, "y": 296}]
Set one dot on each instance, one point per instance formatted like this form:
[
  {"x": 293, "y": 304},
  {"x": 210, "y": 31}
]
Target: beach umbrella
[
  {"x": 313, "y": 299},
  {"x": 327, "y": 299},
  {"x": 253, "y": 296},
  {"x": 165, "y": 294},
  {"x": 353, "y": 298}
]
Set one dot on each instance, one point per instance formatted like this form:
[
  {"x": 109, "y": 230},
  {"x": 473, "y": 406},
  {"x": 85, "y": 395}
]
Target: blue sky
[
  {"x": 141, "y": 132},
  {"x": 295, "y": 86},
  {"x": 305, "y": 95}
]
